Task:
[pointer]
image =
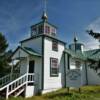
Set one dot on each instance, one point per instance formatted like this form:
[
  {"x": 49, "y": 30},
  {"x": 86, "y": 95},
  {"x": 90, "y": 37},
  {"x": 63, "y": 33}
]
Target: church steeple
[
  {"x": 44, "y": 16},
  {"x": 44, "y": 27}
]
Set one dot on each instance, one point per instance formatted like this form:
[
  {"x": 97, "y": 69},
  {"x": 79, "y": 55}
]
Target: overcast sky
[{"x": 70, "y": 16}]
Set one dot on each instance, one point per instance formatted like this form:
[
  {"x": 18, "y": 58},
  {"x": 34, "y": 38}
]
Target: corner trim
[
  {"x": 42, "y": 83},
  {"x": 64, "y": 68}
]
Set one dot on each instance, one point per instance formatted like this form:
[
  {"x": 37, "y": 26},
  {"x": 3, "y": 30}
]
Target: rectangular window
[
  {"x": 53, "y": 30},
  {"x": 47, "y": 29},
  {"x": 40, "y": 29},
  {"x": 54, "y": 67},
  {"x": 78, "y": 64},
  {"x": 33, "y": 30},
  {"x": 54, "y": 45}
]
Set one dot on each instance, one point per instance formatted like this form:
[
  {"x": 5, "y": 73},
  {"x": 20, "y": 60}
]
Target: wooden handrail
[
  {"x": 18, "y": 83},
  {"x": 25, "y": 77},
  {"x": 8, "y": 78}
]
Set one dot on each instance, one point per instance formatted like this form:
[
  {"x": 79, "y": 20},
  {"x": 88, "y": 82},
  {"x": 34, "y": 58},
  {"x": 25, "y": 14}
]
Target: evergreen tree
[
  {"x": 3, "y": 58},
  {"x": 95, "y": 35}
]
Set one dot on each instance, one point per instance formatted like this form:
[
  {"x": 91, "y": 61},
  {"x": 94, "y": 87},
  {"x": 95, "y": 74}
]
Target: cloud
[
  {"x": 16, "y": 17},
  {"x": 95, "y": 25},
  {"x": 90, "y": 42}
]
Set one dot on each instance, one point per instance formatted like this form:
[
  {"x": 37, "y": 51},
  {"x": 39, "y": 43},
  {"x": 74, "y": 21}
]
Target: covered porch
[
  {"x": 26, "y": 60},
  {"x": 28, "y": 63}
]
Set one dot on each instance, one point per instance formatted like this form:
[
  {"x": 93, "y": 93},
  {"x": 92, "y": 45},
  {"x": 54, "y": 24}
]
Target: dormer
[{"x": 44, "y": 27}]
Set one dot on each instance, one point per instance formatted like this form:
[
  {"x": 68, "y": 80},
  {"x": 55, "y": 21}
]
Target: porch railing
[
  {"x": 8, "y": 78},
  {"x": 18, "y": 83}
]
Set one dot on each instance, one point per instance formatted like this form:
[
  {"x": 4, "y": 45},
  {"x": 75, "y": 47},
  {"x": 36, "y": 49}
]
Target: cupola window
[
  {"x": 40, "y": 29},
  {"x": 53, "y": 30},
  {"x": 47, "y": 29},
  {"x": 33, "y": 30}
]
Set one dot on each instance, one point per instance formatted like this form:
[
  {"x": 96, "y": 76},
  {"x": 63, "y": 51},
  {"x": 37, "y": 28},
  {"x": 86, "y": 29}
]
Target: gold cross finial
[{"x": 44, "y": 16}]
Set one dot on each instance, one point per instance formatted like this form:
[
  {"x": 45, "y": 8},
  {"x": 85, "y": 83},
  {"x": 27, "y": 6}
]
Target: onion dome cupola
[
  {"x": 76, "y": 46},
  {"x": 44, "y": 27}
]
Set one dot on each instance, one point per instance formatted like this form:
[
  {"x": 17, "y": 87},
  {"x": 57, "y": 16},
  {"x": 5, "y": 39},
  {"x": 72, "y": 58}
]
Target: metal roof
[
  {"x": 78, "y": 55},
  {"x": 43, "y": 35},
  {"x": 90, "y": 54},
  {"x": 30, "y": 51},
  {"x": 93, "y": 54}
]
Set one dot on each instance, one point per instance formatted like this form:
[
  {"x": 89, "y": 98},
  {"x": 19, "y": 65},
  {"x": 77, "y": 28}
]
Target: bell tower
[{"x": 44, "y": 27}]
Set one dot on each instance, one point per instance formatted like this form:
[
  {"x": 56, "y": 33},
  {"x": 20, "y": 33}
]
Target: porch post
[
  {"x": 12, "y": 68},
  {"x": 27, "y": 70},
  {"x": 27, "y": 64},
  {"x": 7, "y": 90}
]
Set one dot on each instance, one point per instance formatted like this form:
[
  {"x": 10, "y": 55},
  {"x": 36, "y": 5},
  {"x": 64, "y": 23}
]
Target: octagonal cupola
[
  {"x": 76, "y": 46},
  {"x": 44, "y": 27}
]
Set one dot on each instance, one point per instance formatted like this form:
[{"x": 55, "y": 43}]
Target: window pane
[
  {"x": 33, "y": 30},
  {"x": 53, "y": 30},
  {"x": 54, "y": 66},
  {"x": 55, "y": 45},
  {"x": 47, "y": 29},
  {"x": 40, "y": 29},
  {"x": 78, "y": 64},
  {"x": 54, "y": 71}
]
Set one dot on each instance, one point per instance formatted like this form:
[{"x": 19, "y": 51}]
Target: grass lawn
[{"x": 87, "y": 93}]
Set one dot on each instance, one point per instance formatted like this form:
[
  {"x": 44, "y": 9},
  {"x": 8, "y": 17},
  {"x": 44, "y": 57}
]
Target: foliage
[
  {"x": 94, "y": 34},
  {"x": 3, "y": 43},
  {"x": 3, "y": 55},
  {"x": 94, "y": 64}
]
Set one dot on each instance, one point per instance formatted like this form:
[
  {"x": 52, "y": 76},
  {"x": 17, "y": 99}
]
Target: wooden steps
[{"x": 16, "y": 87}]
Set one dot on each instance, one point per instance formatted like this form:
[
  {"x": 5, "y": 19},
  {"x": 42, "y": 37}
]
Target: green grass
[{"x": 87, "y": 93}]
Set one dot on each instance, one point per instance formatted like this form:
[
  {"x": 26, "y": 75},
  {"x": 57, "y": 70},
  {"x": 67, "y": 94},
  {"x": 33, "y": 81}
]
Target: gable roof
[
  {"x": 78, "y": 55},
  {"x": 27, "y": 50},
  {"x": 93, "y": 54},
  {"x": 90, "y": 54},
  {"x": 30, "y": 51},
  {"x": 43, "y": 35}
]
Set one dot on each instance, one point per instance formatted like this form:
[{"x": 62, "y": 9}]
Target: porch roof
[
  {"x": 30, "y": 51},
  {"x": 27, "y": 50}
]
